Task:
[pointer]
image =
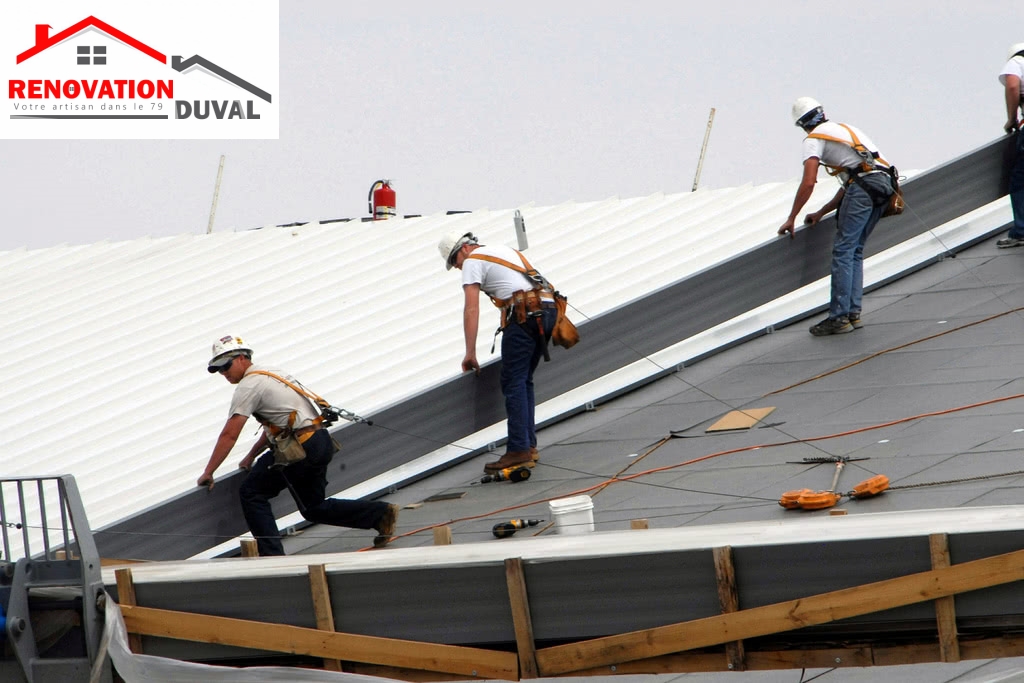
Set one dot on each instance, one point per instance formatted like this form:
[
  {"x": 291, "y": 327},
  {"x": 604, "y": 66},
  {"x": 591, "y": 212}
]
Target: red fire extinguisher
[{"x": 381, "y": 200}]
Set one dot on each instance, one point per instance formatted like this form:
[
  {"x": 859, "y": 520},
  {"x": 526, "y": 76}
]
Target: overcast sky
[{"x": 471, "y": 105}]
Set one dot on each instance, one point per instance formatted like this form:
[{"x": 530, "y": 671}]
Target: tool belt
[
  {"x": 522, "y": 306},
  {"x": 528, "y": 303},
  {"x": 287, "y": 442}
]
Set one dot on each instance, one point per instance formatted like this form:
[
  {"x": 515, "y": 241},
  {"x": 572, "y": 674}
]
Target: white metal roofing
[{"x": 105, "y": 345}]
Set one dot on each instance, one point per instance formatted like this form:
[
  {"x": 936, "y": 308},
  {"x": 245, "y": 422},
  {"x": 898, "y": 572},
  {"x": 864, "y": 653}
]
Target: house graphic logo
[{"x": 99, "y": 78}]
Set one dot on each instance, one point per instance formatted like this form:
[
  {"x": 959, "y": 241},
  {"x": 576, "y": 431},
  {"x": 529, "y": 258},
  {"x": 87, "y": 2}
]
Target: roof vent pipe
[{"x": 520, "y": 224}]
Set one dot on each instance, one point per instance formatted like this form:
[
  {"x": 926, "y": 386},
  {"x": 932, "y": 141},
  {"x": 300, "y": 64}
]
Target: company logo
[{"x": 100, "y": 77}]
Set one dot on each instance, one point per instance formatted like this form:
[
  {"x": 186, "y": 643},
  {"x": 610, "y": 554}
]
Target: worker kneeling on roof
[
  {"x": 867, "y": 184},
  {"x": 300, "y": 451},
  {"x": 528, "y": 315}
]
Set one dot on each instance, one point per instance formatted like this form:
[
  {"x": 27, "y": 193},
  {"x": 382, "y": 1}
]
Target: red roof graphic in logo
[{"x": 44, "y": 40}]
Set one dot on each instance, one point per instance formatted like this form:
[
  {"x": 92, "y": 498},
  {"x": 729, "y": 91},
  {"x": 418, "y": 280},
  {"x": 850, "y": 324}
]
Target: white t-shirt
[
  {"x": 1014, "y": 67},
  {"x": 270, "y": 400},
  {"x": 495, "y": 279},
  {"x": 836, "y": 153}
]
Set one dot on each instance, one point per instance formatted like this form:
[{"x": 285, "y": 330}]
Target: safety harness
[
  {"x": 524, "y": 304},
  {"x": 303, "y": 434},
  {"x": 870, "y": 162}
]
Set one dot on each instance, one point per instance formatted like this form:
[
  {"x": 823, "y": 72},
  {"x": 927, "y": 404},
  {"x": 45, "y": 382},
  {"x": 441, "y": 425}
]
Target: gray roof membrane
[
  {"x": 893, "y": 397},
  {"x": 927, "y": 393},
  {"x": 188, "y": 524}
]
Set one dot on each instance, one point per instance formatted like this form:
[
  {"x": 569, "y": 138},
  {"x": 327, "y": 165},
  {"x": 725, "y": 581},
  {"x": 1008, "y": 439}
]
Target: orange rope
[{"x": 617, "y": 479}]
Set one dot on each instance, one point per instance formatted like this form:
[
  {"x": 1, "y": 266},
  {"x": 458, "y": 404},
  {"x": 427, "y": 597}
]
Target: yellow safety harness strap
[
  {"x": 855, "y": 144},
  {"x": 305, "y": 432},
  {"x": 524, "y": 304}
]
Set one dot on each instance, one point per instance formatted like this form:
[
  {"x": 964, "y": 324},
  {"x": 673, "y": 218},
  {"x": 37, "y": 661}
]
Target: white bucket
[{"x": 573, "y": 515}]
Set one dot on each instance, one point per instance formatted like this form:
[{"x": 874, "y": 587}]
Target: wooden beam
[
  {"x": 248, "y": 546},
  {"x": 945, "y": 609},
  {"x": 412, "y": 675},
  {"x": 442, "y": 535},
  {"x": 807, "y": 658},
  {"x": 126, "y": 596},
  {"x": 728, "y": 598},
  {"x": 521, "y": 619},
  {"x": 409, "y": 654},
  {"x": 322, "y": 607},
  {"x": 783, "y": 616},
  {"x": 638, "y": 524}
]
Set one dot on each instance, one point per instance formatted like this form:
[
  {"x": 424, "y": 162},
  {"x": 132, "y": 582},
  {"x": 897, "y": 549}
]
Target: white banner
[{"x": 123, "y": 69}]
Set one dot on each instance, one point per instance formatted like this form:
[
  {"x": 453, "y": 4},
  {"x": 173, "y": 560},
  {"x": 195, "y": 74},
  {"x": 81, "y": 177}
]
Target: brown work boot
[
  {"x": 385, "y": 526},
  {"x": 534, "y": 454},
  {"x": 510, "y": 459}
]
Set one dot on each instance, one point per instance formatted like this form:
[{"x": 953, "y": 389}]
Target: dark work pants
[
  {"x": 522, "y": 347},
  {"x": 308, "y": 479},
  {"x": 1017, "y": 188}
]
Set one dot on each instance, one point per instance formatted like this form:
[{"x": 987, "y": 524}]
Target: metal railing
[{"x": 49, "y": 562}]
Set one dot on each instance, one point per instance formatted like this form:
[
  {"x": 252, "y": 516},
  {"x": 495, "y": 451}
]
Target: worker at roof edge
[
  {"x": 1011, "y": 77},
  {"x": 288, "y": 416},
  {"x": 528, "y": 317},
  {"x": 865, "y": 189}
]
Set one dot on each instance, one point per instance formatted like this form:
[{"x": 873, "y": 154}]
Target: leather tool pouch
[
  {"x": 565, "y": 333},
  {"x": 287, "y": 449}
]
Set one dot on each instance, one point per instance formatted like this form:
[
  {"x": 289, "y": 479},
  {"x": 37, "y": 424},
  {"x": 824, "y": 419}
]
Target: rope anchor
[{"x": 806, "y": 499}]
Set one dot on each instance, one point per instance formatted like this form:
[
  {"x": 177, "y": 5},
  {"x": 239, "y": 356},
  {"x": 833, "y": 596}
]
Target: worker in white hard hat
[
  {"x": 528, "y": 317},
  {"x": 1011, "y": 77},
  {"x": 865, "y": 188},
  {"x": 284, "y": 408}
]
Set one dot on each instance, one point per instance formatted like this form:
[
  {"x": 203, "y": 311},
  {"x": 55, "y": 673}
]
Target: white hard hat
[
  {"x": 1014, "y": 49},
  {"x": 804, "y": 106},
  {"x": 451, "y": 243},
  {"x": 224, "y": 351}
]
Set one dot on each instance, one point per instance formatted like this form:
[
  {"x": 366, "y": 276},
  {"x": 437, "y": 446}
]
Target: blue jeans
[
  {"x": 307, "y": 481},
  {"x": 858, "y": 216},
  {"x": 1017, "y": 189},
  {"x": 522, "y": 347}
]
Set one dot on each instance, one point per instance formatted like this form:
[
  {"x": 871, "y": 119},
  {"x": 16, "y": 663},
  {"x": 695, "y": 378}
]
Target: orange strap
[
  {"x": 525, "y": 269},
  {"x": 856, "y": 145},
  {"x": 302, "y": 391}
]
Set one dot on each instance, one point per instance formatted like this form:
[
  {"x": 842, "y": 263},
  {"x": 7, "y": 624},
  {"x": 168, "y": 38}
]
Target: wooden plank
[
  {"x": 412, "y": 675},
  {"x": 442, "y": 535},
  {"x": 114, "y": 561},
  {"x": 708, "y": 662},
  {"x": 521, "y": 619},
  {"x": 783, "y": 616},
  {"x": 409, "y": 654},
  {"x": 248, "y": 546},
  {"x": 126, "y": 596},
  {"x": 728, "y": 598},
  {"x": 945, "y": 609},
  {"x": 809, "y": 658},
  {"x": 740, "y": 419},
  {"x": 322, "y": 607},
  {"x": 638, "y": 524}
]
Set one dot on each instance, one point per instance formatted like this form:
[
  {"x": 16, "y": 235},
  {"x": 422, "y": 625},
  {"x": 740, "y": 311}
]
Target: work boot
[
  {"x": 534, "y": 454},
  {"x": 510, "y": 459},
  {"x": 1008, "y": 242},
  {"x": 385, "y": 526},
  {"x": 840, "y": 325}
]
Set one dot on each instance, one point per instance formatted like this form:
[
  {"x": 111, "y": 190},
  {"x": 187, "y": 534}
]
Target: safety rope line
[
  {"x": 678, "y": 376},
  {"x": 692, "y": 461},
  {"x": 945, "y": 482},
  {"x": 876, "y": 354},
  {"x": 909, "y": 208}
]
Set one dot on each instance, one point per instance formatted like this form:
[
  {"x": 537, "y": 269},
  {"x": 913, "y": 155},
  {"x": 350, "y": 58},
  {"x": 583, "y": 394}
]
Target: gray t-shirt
[{"x": 271, "y": 401}]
